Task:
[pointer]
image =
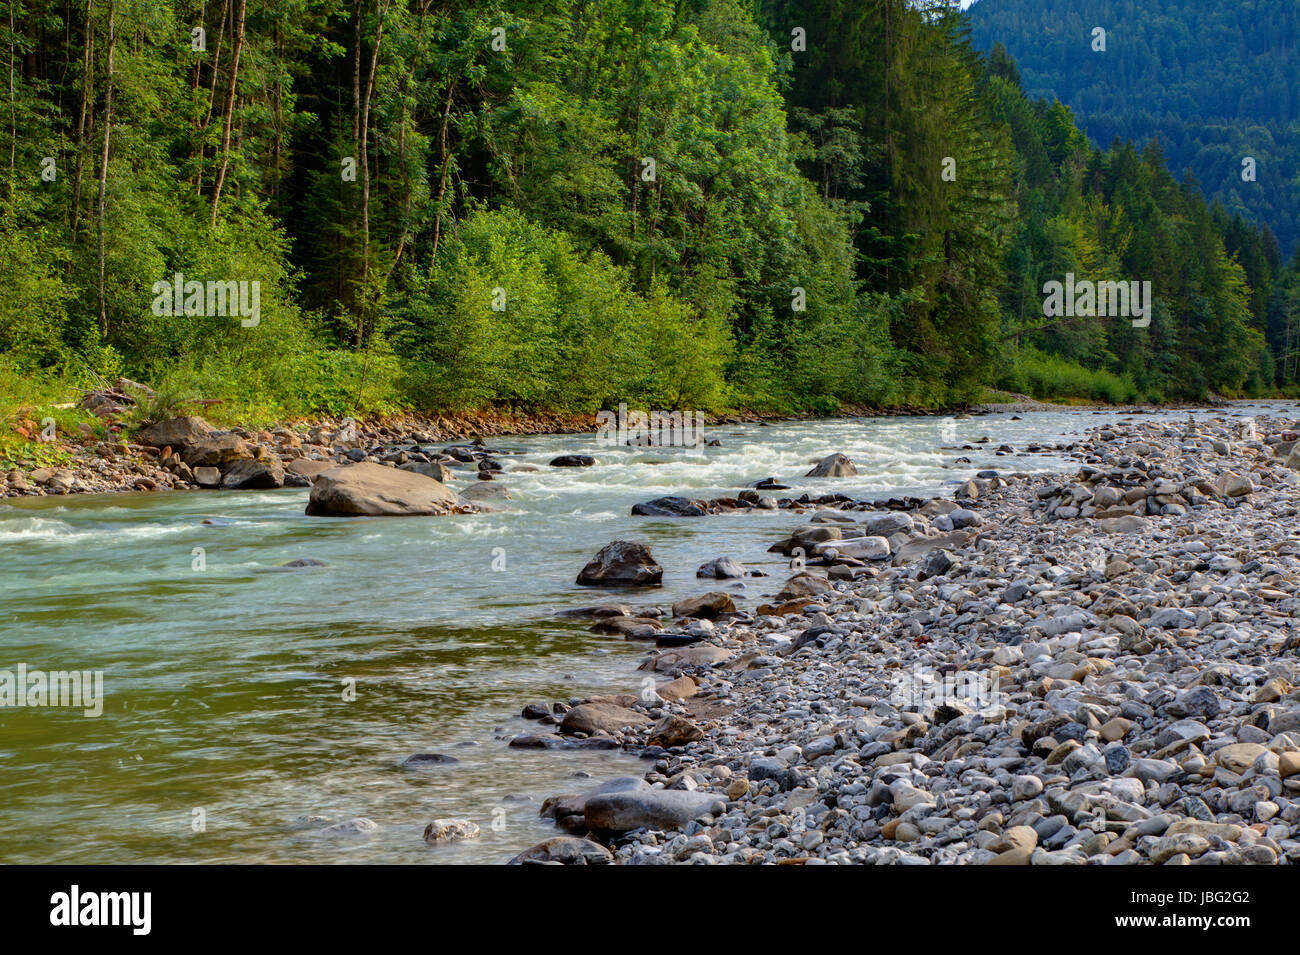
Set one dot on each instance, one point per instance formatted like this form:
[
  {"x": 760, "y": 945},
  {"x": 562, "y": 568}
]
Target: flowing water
[{"x": 225, "y": 674}]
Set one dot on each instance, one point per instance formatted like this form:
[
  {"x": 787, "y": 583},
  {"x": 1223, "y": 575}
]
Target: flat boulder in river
[
  {"x": 622, "y": 564},
  {"x": 573, "y": 461},
  {"x": 373, "y": 490}
]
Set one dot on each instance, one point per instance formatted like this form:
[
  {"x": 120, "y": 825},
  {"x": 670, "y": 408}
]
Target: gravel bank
[{"x": 1096, "y": 668}]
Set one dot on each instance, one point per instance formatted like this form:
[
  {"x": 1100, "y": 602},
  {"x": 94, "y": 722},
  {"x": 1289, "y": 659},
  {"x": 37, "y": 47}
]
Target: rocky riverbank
[
  {"x": 158, "y": 457},
  {"x": 1097, "y": 668}
]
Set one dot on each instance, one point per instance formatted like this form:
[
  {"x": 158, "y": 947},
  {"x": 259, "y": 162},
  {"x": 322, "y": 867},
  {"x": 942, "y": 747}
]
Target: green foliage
[
  {"x": 679, "y": 210},
  {"x": 1044, "y": 376},
  {"x": 514, "y": 314}
]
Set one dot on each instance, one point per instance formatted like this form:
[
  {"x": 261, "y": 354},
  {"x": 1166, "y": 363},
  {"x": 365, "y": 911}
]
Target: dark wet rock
[
  {"x": 622, "y": 564},
  {"x": 659, "y": 809},
  {"x": 304, "y": 562},
  {"x": 670, "y": 507},
  {"x": 600, "y": 610},
  {"x": 573, "y": 461},
  {"x": 936, "y": 564}
]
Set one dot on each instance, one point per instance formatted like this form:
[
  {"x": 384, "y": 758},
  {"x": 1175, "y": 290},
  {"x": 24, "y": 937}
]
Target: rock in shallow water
[
  {"x": 661, "y": 809},
  {"x": 622, "y": 564},
  {"x": 564, "y": 850},
  {"x": 444, "y": 831}
]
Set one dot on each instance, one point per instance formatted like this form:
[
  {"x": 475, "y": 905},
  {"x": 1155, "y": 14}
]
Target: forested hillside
[
  {"x": 564, "y": 204},
  {"x": 1216, "y": 82}
]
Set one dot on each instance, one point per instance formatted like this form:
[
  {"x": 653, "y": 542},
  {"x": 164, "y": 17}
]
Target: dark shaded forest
[{"x": 1214, "y": 82}]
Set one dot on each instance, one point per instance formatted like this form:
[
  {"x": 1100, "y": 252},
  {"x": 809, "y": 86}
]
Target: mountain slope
[{"x": 1216, "y": 83}]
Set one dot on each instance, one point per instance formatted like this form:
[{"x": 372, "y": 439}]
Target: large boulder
[
  {"x": 253, "y": 474},
  {"x": 622, "y": 564},
  {"x": 589, "y": 718},
  {"x": 833, "y": 465},
  {"x": 216, "y": 451},
  {"x": 655, "y": 809},
  {"x": 175, "y": 432},
  {"x": 573, "y": 461},
  {"x": 373, "y": 490}
]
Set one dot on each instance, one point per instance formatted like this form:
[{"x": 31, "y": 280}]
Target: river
[{"x": 225, "y": 674}]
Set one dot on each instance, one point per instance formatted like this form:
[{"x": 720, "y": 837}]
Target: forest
[
  {"x": 1214, "y": 82},
  {"x": 775, "y": 206}
]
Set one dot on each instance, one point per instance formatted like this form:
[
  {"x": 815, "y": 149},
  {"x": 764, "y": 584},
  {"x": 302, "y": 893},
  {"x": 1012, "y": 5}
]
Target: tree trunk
[
  {"x": 103, "y": 166},
  {"x": 228, "y": 120},
  {"x": 212, "y": 94},
  {"x": 365, "y": 169},
  {"x": 83, "y": 130}
]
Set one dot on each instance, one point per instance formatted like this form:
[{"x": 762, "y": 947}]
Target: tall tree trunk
[
  {"x": 83, "y": 118},
  {"x": 365, "y": 169},
  {"x": 13, "y": 104},
  {"x": 212, "y": 94},
  {"x": 442, "y": 176},
  {"x": 103, "y": 164},
  {"x": 228, "y": 120}
]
